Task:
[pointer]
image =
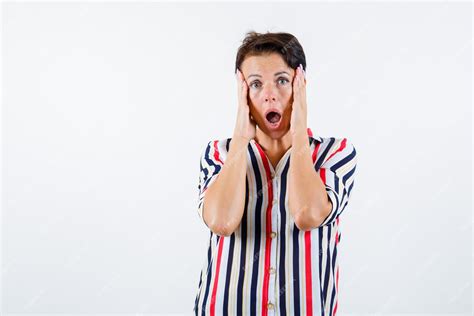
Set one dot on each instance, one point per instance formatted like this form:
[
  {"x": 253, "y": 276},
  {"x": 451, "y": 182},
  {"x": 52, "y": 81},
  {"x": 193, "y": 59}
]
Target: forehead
[{"x": 268, "y": 63}]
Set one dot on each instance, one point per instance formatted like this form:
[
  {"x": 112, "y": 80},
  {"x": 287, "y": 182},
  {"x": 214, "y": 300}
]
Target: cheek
[
  {"x": 253, "y": 95},
  {"x": 288, "y": 94}
]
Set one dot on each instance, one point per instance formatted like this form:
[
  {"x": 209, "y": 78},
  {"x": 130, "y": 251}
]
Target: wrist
[
  {"x": 240, "y": 139},
  {"x": 299, "y": 133}
]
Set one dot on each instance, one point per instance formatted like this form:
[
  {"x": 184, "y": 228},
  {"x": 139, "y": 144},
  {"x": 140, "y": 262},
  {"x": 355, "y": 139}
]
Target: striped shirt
[{"x": 267, "y": 266}]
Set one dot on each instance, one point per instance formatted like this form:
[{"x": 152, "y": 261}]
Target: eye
[
  {"x": 284, "y": 79},
  {"x": 254, "y": 82}
]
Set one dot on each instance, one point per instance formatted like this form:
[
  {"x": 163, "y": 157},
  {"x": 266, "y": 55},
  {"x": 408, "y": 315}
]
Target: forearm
[
  {"x": 308, "y": 201},
  {"x": 224, "y": 201}
]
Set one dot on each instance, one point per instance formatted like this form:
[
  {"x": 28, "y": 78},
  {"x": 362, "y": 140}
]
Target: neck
[{"x": 273, "y": 145}]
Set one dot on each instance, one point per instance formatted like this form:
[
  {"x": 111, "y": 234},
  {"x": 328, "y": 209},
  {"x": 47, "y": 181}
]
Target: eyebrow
[{"x": 276, "y": 74}]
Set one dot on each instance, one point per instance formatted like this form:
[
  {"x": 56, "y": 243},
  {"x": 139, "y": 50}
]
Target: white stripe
[
  {"x": 315, "y": 272},
  {"x": 250, "y": 237},
  {"x": 272, "y": 295},
  {"x": 289, "y": 253},
  {"x": 331, "y": 279},
  {"x": 302, "y": 264},
  {"x": 235, "y": 272},
  {"x": 222, "y": 275},
  {"x": 263, "y": 223},
  {"x": 324, "y": 244}
]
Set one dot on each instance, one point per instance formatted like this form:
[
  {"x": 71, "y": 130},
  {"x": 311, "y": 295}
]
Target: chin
[{"x": 275, "y": 134}]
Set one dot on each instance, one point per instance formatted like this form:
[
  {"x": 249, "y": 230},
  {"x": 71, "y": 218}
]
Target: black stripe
[
  {"x": 296, "y": 270},
  {"x": 210, "y": 161},
  {"x": 196, "y": 300},
  {"x": 243, "y": 253},
  {"x": 198, "y": 296},
  {"x": 228, "y": 274},
  {"x": 204, "y": 170},
  {"x": 322, "y": 157},
  {"x": 257, "y": 233},
  {"x": 333, "y": 270},
  {"x": 320, "y": 255},
  {"x": 348, "y": 175},
  {"x": 334, "y": 213},
  {"x": 328, "y": 265},
  {"x": 282, "y": 239},
  {"x": 350, "y": 188},
  {"x": 227, "y": 144},
  {"x": 333, "y": 295},
  {"x": 344, "y": 161},
  {"x": 208, "y": 282}
]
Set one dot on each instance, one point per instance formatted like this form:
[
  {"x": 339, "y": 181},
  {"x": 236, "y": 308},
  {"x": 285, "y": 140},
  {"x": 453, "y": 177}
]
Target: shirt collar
[{"x": 316, "y": 137}]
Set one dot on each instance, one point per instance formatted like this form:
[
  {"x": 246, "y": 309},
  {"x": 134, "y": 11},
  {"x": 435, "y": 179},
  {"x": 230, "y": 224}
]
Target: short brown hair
[{"x": 285, "y": 44}]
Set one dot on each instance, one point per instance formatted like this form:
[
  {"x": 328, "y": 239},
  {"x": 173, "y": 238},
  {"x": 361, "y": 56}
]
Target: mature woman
[{"x": 271, "y": 196}]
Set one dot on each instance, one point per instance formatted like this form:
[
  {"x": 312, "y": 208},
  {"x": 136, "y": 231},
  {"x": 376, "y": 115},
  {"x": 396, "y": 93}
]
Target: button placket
[{"x": 274, "y": 244}]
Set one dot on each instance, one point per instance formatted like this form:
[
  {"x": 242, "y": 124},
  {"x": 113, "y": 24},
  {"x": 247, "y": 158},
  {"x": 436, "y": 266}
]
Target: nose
[
  {"x": 267, "y": 98},
  {"x": 269, "y": 94}
]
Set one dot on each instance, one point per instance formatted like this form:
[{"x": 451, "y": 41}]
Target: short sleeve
[
  {"x": 337, "y": 173},
  {"x": 210, "y": 166}
]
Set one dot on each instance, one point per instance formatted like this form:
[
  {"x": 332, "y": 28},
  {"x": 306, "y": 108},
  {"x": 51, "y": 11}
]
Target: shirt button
[
  {"x": 270, "y": 306},
  {"x": 272, "y": 270},
  {"x": 273, "y": 234},
  {"x": 275, "y": 201}
]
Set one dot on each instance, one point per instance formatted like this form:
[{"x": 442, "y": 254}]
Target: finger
[
  {"x": 295, "y": 79},
  {"x": 245, "y": 87},
  {"x": 296, "y": 83},
  {"x": 301, "y": 80},
  {"x": 241, "y": 81},
  {"x": 300, "y": 75},
  {"x": 237, "y": 77},
  {"x": 302, "y": 86}
]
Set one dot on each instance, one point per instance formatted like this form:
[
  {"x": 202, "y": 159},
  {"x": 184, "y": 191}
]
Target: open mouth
[{"x": 273, "y": 117}]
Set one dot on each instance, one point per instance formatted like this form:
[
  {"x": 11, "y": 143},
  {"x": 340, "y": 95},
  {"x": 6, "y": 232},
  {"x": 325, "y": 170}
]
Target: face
[{"x": 270, "y": 93}]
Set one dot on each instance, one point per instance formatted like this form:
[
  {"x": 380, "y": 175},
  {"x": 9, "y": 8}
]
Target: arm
[
  {"x": 316, "y": 198},
  {"x": 337, "y": 175},
  {"x": 225, "y": 197},
  {"x": 309, "y": 203}
]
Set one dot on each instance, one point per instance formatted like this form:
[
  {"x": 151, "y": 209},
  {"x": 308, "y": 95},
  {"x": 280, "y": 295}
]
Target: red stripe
[
  {"x": 322, "y": 174},
  {"x": 337, "y": 273},
  {"x": 337, "y": 291},
  {"x": 343, "y": 145},
  {"x": 315, "y": 152},
  {"x": 310, "y": 133},
  {"x": 216, "y": 152},
  {"x": 309, "y": 286},
  {"x": 266, "y": 270},
  {"x": 216, "y": 277}
]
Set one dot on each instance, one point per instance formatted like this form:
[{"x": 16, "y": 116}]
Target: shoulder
[
  {"x": 333, "y": 142},
  {"x": 331, "y": 149},
  {"x": 216, "y": 149}
]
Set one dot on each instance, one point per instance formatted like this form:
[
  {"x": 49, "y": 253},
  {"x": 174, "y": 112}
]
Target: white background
[{"x": 107, "y": 108}]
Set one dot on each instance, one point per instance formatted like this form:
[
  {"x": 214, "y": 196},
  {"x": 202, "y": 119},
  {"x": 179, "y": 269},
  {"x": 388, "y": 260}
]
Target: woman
[{"x": 272, "y": 194}]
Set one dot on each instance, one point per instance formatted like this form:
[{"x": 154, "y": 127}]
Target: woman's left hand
[{"x": 298, "y": 123}]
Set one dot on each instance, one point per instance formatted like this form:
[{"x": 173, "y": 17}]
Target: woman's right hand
[{"x": 245, "y": 125}]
